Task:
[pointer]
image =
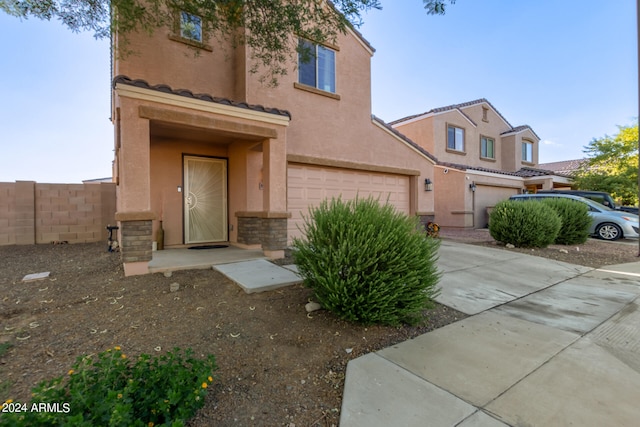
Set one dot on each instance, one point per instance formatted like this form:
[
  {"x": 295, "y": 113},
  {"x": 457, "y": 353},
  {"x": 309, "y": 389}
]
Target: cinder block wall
[{"x": 32, "y": 213}]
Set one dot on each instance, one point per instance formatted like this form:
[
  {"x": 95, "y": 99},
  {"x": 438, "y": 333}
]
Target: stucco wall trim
[
  {"x": 472, "y": 173},
  {"x": 297, "y": 158},
  {"x": 171, "y": 116},
  {"x": 134, "y": 92},
  {"x": 263, "y": 214}
]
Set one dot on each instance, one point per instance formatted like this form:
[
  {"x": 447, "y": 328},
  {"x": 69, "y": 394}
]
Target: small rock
[
  {"x": 168, "y": 274},
  {"x": 348, "y": 350},
  {"x": 564, "y": 251},
  {"x": 312, "y": 306},
  {"x": 509, "y": 246},
  {"x": 174, "y": 287}
]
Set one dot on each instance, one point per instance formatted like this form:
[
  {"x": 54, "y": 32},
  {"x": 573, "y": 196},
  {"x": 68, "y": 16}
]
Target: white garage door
[{"x": 309, "y": 185}]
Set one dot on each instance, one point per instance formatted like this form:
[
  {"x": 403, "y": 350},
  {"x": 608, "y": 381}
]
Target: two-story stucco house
[
  {"x": 206, "y": 150},
  {"x": 482, "y": 159}
]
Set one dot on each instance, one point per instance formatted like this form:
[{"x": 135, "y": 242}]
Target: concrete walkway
[{"x": 547, "y": 344}]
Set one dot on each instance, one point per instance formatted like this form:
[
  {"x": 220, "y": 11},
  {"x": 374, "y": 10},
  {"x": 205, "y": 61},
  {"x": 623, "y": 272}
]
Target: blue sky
[{"x": 566, "y": 68}]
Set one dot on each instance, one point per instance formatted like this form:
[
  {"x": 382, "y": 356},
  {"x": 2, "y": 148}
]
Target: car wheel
[{"x": 609, "y": 231}]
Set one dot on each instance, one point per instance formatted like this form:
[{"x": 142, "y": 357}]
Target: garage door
[{"x": 309, "y": 185}]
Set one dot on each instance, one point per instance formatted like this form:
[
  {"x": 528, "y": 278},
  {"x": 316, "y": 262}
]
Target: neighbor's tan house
[
  {"x": 481, "y": 159},
  {"x": 204, "y": 148}
]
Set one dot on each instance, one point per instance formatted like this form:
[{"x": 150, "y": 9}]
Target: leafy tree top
[
  {"x": 612, "y": 165},
  {"x": 265, "y": 26}
]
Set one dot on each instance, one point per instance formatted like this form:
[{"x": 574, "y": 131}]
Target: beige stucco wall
[{"x": 322, "y": 128}]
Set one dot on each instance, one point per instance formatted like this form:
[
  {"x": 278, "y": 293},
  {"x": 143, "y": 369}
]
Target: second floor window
[
  {"x": 317, "y": 66},
  {"x": 190, "y": 27},
  {"x": 455, "y": 138},
  {"x": 527, "y": 152},
  {"x": 487, "y": 147}
]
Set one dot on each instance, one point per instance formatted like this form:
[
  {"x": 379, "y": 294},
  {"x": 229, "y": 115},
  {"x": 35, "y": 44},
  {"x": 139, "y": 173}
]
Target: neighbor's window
[
  {"x": 190, "y": 27},
  {"x": 455, "y": 138},
  {"x": 527, "y": 152},
  {"x": 317, "y": 66},
  {"x": 486, "y": 147}
]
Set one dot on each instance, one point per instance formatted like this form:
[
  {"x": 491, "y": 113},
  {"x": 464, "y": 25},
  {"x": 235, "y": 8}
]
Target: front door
[{"x": 205, "y": 200}]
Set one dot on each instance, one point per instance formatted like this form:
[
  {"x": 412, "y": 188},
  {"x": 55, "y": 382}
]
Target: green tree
[
  {"x": 265, "y": 26},
  {"x": 612, "y": 165}
]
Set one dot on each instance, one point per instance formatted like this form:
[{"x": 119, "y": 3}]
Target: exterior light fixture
[
  {"x": 473, "y": 186},
  {"x": 428, "y": 185}
]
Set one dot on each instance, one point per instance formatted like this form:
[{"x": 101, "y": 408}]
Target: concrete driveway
[{"x": 547, "y": 344}]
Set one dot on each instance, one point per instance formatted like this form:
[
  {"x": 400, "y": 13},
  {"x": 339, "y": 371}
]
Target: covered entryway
[
  {"x": 308, "y": 185},
  {"x": 205, "y": 200}
]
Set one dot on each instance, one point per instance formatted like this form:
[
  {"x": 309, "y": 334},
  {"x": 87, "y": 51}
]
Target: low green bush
[
  {"x": 526, "y": 223},
  {"x": 575, "y": 220},
  {"x": 110, "y": 390},
  {"x": 368, "y": 263}
]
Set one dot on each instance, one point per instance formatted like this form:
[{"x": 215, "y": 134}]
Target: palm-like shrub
[
  {"x": 526, "y": 223},
  {"x": 367, "y": 262},
  {"x": 575, "y": 220}
]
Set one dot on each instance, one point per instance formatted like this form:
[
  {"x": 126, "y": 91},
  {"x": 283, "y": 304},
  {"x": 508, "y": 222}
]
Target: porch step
[{"x": 258, "y": 275}]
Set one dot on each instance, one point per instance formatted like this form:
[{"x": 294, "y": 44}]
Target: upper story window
[
  {"x": 487, "y": 146},
  {"x": 190, "y": 27},
  {"x": 317, "y": 66},
  {"x": 527, "y": 151},
  {"x": 455, "y": 138}
]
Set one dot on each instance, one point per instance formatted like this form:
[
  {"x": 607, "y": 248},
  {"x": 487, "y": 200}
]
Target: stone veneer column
[
  {"x": 136, "y": 237},
  {"x": 269, "y": 229}
]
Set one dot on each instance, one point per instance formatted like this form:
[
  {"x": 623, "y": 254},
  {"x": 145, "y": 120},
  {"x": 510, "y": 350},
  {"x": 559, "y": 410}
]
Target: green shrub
[
  {"x": 526, "y": 223},
  {"x": 575, "y": 220},
  {"x": 110, "y": 390},
  {"x": 368, "y": 263}
]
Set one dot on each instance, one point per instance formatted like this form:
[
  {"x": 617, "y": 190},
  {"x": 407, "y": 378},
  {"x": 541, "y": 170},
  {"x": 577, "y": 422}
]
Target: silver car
[{"x": 607, "y": 224}]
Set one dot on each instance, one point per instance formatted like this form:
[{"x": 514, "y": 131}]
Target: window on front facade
[
  {"x": 527, "y": 152},
  {"x": 487, "y": 147},
  {"x": 455, "y": 138},
  {"x": 190, "y": 27},
  {"x": 317, "y": 66}
]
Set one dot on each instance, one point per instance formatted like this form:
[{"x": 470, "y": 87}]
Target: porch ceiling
[{"x": 163, "y": 130}]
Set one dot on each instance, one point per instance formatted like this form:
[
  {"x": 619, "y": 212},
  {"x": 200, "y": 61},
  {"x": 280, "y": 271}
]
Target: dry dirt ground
[{"x": 277, "y": 365}]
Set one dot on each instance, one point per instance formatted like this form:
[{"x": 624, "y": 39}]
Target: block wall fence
[{"x": 32, "y": 213}]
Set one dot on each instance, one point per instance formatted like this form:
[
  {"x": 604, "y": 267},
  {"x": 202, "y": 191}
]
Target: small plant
[
  {"x": 432, "y": 229},
  {"x": 575, "y": 220},
  {"x": 367, "y": 262},
  {"x": 526, "y": 223},
  {"x": 110, "y": 390}
]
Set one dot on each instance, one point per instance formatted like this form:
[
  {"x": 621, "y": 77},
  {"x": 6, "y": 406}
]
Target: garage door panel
[{"x": 310, "y": 185}]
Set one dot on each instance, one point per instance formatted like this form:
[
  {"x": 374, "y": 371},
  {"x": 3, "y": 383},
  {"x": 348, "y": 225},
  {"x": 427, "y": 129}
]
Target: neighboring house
[
  {"x": 482, "y": 159},
  {"x": 565, "y": 167},
  {"x": 197, "y": 151}
]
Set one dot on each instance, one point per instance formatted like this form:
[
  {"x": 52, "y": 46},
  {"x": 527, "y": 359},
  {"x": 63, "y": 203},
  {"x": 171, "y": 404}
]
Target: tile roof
[
  {"x": 201, "y": 96},
  {"x": 565, "y": 167},
  {"x": 453, "y": 107},
  {"x": 459, "y": 107},
  {"x": 520, "y": 129}
]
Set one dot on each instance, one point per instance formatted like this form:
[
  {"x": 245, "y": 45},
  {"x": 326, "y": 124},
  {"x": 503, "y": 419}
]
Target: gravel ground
[{"x": 277, "y": 365}]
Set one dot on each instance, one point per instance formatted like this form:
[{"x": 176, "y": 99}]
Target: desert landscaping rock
[
  {"x": 312, "y": 306},
  {"x": 174, "y": 287}
]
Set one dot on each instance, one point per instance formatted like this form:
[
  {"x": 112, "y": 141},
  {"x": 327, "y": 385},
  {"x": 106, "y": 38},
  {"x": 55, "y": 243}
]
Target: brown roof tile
[
  {"x": 201, "y": 96},
  {"x": 459, "y": 107}
]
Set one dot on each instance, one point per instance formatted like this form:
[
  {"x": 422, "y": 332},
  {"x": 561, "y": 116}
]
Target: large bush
[
  {"x": 368, "y": 263},
  {"x": 575, "y": 220},
  {"x": 526, "y": 223}
]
